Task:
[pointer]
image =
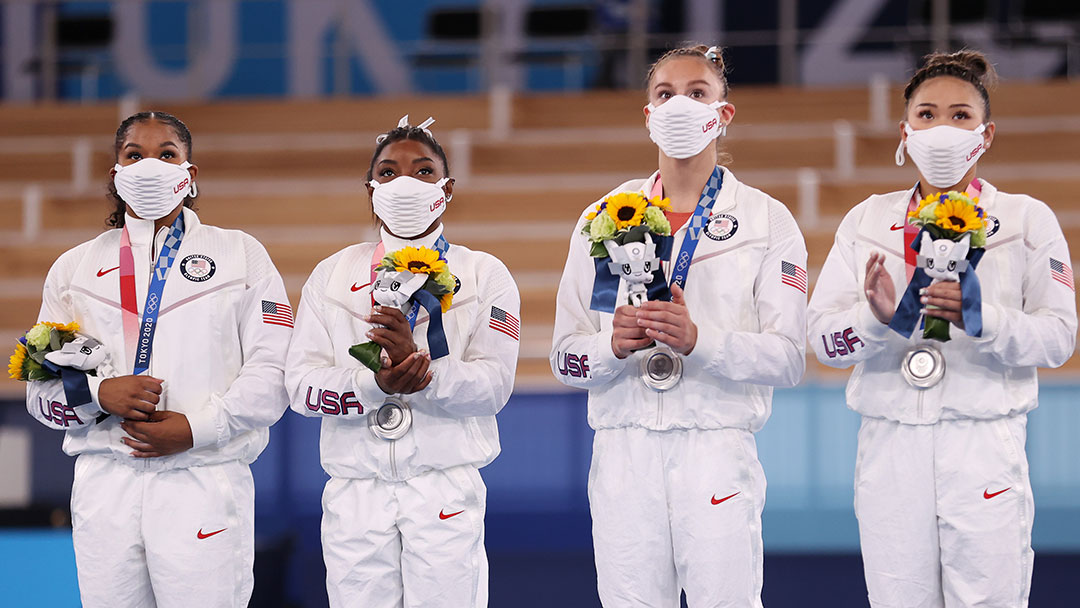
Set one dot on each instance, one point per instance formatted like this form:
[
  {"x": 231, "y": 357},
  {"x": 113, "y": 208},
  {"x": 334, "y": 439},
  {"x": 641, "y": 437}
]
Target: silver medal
[
  {"x": 392, "y": 420},
  {"x": 661, "y": 368},
  {"x": 923, "y": 366}
]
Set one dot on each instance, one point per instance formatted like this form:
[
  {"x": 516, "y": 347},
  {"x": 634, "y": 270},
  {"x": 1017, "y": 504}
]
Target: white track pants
[
  {"x": 677, "y": 510},
  {"x": 413, "y": 543},
  {"x": 181, "y": 537},
  {"x": 945, "y": 513}
]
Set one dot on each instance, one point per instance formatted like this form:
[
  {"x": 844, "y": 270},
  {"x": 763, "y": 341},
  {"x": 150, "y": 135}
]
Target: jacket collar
[
  {"x": 724, "y": 201},
  {"x": 393, "y": 243},
  {"x": 142, "y": 233}
]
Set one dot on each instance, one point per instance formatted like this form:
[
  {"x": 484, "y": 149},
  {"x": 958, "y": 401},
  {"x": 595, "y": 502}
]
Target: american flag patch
[
  {"x": 277, "y": 314},
  {"x": 1060, "y": 272},
  {"x": 505, "y": 322},
  {"x": 790, "y": 274}
]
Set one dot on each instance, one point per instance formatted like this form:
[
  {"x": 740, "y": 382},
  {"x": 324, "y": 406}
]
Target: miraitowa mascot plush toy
[
  {"x": 943, "y": 259},
  {"x": 633, "y": 263},
  {"x": 396, "y": 287}
]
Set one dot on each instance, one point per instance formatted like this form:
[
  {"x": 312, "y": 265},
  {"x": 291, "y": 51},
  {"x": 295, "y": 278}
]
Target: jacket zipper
[
  {"x": 659, "y": 408},
  {"x": 919, "y": 408},
  {"x": 393, "y": 461}
]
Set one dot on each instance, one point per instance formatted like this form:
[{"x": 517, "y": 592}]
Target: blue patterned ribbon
[
  {"x": 606, "y": 284},
  {"x": 907, "y": 313},
  {"x": 152, "y": 308},
  {"x": 436, "y": 335}
]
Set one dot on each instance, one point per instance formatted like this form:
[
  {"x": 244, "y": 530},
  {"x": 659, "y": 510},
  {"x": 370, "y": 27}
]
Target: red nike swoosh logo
[
  {"x": 201, "y": 536},
  {"x": 895, "y": 227},
  {"x": 358, "y": 288},
  {"x": 102, "y": 272},
  {"x": 717, "y": 501},
  {"x": 987, "y": 495},
  {"x": 449, "y": 515}
]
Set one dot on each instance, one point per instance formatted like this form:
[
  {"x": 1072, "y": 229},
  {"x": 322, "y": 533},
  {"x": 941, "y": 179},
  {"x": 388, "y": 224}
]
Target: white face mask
[
  {"x": 407, "y": 205},
  {"x": 943, "y": 154},
  {"x": 683, "y": 127},
  {"x": 152, "y": 188}
]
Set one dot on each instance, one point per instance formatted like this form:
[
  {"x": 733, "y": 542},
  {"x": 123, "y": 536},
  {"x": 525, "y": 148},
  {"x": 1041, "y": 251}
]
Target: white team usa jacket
[
  {"x": 746, "y": 291},
  {"x": 222, "y": 363},
  {"x": 1028, "y": 308},
  {"x": 454, "y": 417}
]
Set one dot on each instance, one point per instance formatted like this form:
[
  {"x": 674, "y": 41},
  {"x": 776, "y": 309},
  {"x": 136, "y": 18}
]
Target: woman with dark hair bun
[
  {"x": 406, "y": 349},
  {"x": 942, "y": 490},
  {"x": 180, "y": 376}
]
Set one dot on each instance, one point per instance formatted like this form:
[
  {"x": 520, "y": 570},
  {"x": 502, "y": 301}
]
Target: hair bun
[{"x": 967, "y": 60}]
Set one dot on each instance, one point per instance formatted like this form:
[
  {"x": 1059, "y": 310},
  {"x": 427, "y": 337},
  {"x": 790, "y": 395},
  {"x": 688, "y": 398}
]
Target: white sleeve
[
  {"x": 1043, "y": 333},
  {"x": 776, "y": 354},
  {"x": 45, "y": 400},
  {"x": 315, "y": 385},
  {"x": 841, "y": 328},
  {"x": 581, "y": 354},
  {"x": 480, "y": 382},
  {"x": 256, "y": 398}
]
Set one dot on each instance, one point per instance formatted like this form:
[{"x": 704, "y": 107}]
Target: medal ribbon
[
  {"x": 436, "y": 334},
  {"x": 606, "y": 284},
  {"x": 139, "y": 334}
]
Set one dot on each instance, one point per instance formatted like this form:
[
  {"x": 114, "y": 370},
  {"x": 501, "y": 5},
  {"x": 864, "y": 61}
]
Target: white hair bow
[{"x": 404, "y": 124}]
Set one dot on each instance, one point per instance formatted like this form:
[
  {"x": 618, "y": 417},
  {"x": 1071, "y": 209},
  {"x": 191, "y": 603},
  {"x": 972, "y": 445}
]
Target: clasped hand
[
  {"x": 405, "y": 370},
  {"x": 665, "y": 322},
  {"x": 151, "y": 433}
]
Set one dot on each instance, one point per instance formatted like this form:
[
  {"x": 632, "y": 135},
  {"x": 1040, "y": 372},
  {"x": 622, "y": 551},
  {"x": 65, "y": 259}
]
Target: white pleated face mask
[
  {"x": 153, "y": 187},
  {"x": 682, "y": 127},
  {"x": 943, "y": 154},
  {"x": 408, "y": 206}
]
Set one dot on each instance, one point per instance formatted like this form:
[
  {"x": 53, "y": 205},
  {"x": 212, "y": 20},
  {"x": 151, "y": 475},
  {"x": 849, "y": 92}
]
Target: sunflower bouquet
[
  {"x": 951, "y": 215},
  {"x": 407, "y": 279},
  {"x": 953, "y": 228},
  {"x": 28, "y": 362},
  {"x": 625, "y": 217}
]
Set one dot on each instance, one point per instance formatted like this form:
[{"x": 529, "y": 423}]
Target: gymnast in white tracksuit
[
  {"x": 675, "y": 487},
  {"x": 163, "y": 503},
  {"x": 403, "y": 518},
  {"x": 942, "y": 491}
]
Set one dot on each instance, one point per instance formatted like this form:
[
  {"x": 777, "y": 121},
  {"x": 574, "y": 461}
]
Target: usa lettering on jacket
[
  {"x": 843, "y": 343},
  {"x": 331, "y": 403},
  {"x": 573, "y": 365}
]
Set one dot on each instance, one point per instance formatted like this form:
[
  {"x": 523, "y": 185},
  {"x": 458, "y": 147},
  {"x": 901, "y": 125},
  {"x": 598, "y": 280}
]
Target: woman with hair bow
[{"x": 406, "y": 349}]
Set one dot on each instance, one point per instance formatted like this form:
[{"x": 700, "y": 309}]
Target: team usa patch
[
  {"x": 792, "y": 274},
  {"x": 721, "y": 227},
  {"x": 1060, "y": 272},
  {"x": 277, "y": 314},
  {"x": 505, "y": 322},
  {"x": 992, "y": 226},
  {"x": 197, "y": 267}
]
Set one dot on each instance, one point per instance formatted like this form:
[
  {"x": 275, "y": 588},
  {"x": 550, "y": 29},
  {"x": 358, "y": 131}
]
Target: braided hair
[
  {"x": 970, "y": 66},
  {"x": 116, "y": 218}
]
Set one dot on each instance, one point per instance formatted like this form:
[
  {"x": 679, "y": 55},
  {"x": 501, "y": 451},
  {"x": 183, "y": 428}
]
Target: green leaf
[
  {"x": 598, "y": 250},
  {"x": 368, "y": 353},
  {"x": 936, "y": 329}
]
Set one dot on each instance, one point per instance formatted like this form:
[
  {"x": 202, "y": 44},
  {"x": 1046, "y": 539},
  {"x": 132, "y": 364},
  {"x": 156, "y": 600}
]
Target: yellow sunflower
[
  {"x": 445, "y": 300},
  {"x": 958, "y": 216},
  {"x": 73, "y": 326},
  {"x": 627, "y": 209},
  {"x": 418, "y": 260},
  {"x": 663, "y": 203},
  {"x": 933, "y": 198},
  {"x": 15, "y": 363},
  {"x": 592, "y": 214}
]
